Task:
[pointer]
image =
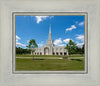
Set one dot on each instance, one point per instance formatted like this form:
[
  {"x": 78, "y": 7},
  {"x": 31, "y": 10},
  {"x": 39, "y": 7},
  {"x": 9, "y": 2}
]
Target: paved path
[
  {"x": 51, "y": 57},
  {"x": 42, "y": 57}
]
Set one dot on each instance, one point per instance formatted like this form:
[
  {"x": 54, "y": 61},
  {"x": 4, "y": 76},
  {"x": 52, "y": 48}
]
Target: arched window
[
  {"x": 64, "y": 53},
  {"x": 56, "y": 53},
  {"x": 40, "y": 53},
  {"x": 37, "y": 53},
  {"x": 60, "y": 53},
  {"x": 53, "y": 53}
]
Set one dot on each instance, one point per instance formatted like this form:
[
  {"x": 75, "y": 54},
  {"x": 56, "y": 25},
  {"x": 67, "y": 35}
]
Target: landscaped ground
[{"x": 49, "y": 63}]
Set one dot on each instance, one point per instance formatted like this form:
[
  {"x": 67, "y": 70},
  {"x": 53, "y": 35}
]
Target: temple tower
[
  {"x": 50, "y": 41},
  {"x": 50, "y": 32}
]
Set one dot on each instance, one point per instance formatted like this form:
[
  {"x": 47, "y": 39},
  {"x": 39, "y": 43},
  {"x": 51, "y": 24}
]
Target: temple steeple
[
  {"x": 50, "y": 41},
  {"x": 50, "y": 32}
]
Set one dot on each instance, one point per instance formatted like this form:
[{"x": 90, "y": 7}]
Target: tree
[
  {"x": 83, "y": 48},
  {"x": 78, "y": 50},
  {"x": 71, "y": 47},
  {"x": 32, "y": 45},
  {"x": 22, "y": 51}
]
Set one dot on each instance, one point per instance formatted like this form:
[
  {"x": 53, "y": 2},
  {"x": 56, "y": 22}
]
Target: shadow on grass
[
  {"x": 38, "y": 59},
  {"x": 77, "y": 59}
]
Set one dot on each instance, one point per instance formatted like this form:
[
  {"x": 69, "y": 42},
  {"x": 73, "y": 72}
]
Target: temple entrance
[
  {"x": 60, "y": 53},
  {"x": 46, "y": 51},
  {"x": 64, "y": 53}
]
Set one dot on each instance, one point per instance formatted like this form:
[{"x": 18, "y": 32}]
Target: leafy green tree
[
  {"x": 32, "y": 45},
  {"x": 71, "y": 47},
  {"x": 83, "y": 48},
  {"x": 22, "y": 51},
  {"x": 78, "y": 50}
]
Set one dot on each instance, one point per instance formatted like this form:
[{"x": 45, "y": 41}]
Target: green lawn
[{"x": 49, "y": 64}]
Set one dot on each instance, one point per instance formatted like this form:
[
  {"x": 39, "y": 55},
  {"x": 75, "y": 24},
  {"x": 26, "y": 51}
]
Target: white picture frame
[{"x": 8, "y": 78}]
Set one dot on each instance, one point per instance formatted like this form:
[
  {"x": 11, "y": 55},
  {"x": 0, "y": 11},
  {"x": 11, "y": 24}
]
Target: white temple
[{"x": 50, "y": 48}]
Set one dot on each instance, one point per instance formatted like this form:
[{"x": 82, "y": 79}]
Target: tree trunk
[{"x": 31, "y": 52}]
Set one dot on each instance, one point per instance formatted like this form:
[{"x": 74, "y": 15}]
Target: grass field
[{"x": 49, "y": 64}]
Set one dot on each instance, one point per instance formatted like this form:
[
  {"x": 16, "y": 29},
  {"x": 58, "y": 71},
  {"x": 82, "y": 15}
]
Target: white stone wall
[{"x": 59, "y": 50}]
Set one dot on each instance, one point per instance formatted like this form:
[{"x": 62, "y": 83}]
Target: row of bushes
[{"x": 22, "y": 51}]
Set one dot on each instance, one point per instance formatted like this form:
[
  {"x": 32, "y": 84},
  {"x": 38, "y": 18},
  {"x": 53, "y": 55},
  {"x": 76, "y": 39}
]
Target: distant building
[{"x": 50, "y": 48}]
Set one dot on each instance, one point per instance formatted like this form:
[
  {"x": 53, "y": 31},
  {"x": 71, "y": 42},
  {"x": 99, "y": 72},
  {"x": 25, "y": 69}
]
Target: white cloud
[
  {"x": 62, "y": 45},
  {"x": 17, "y": 37},
  {"x": 58, "y": 41},
  {"x": 66, "y": 40},
  {"x": 27, "y": 41},
  {"x": 81, "y": 23},
  {"x": 18, "y": 44},
  {"x": 41, "y": 44},
  {"x": 41, "y": 18},
  {"x": 80, "y": 37},
  {"x": 79, "y": 45},
  {"x": 71, "y": 28}
]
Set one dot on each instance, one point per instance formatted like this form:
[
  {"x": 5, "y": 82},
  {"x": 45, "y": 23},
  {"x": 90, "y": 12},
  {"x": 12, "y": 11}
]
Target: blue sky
[{"x": 63, "y": 29}]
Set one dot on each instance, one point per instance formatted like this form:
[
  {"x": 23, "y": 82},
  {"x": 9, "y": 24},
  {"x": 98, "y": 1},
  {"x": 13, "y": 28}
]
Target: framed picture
[
  {"x": 65, "y": 54},
  {"x": 51, "y": 37}
]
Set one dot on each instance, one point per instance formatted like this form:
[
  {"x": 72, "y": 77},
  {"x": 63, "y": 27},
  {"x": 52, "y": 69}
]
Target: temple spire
[
  {"x": 50, "y": 32},
  {"x": 50, "y": 29}
]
